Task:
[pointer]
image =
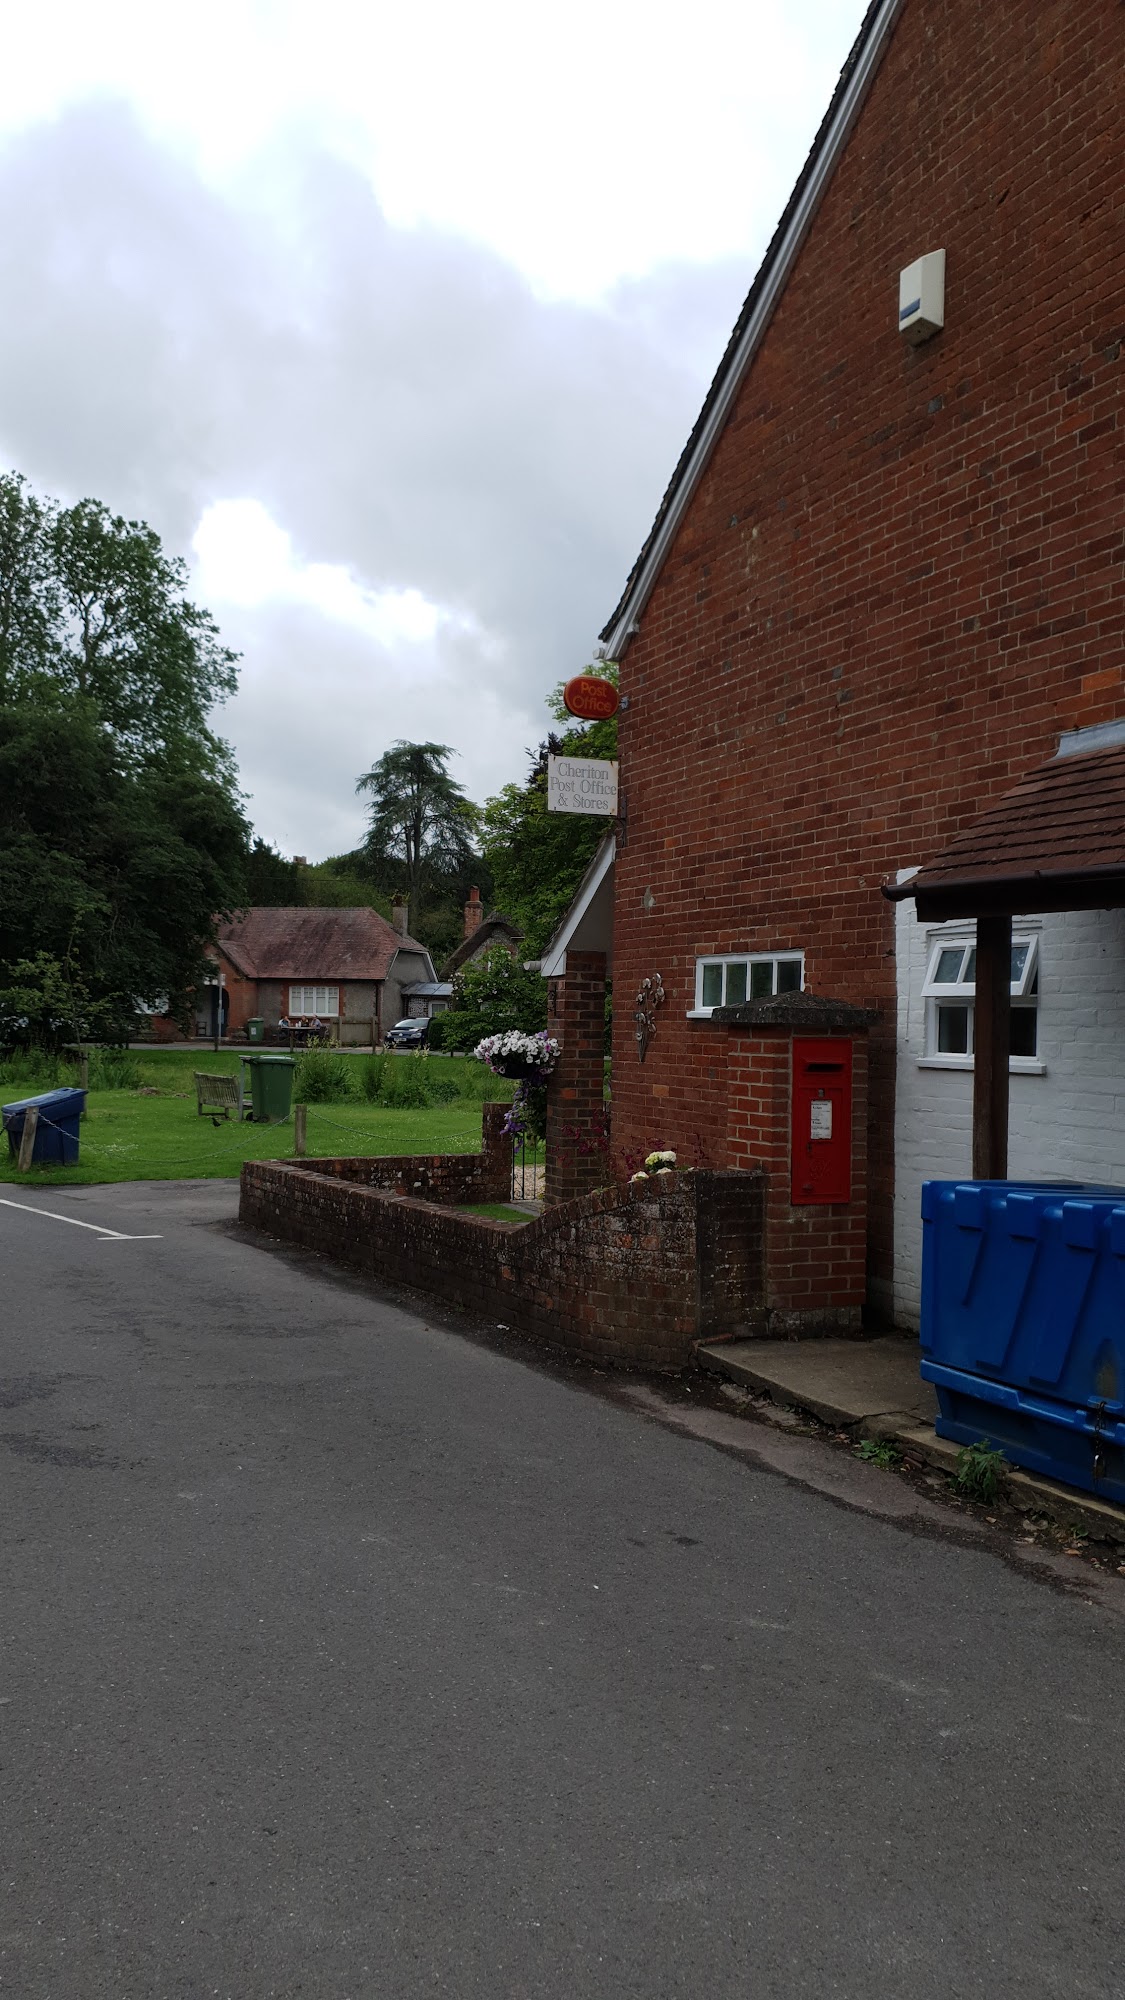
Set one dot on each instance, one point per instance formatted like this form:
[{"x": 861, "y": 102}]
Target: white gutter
[{"x": 784, "y": 259}]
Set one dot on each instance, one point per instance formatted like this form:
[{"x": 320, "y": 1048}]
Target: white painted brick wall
[{"x": 1068, "y": 1124}]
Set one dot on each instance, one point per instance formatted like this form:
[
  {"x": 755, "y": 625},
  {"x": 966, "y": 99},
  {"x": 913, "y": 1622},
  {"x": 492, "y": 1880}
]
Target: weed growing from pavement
[
  {"x": 878, "y": 1451},
  {"x": 980, "y": 1470}
]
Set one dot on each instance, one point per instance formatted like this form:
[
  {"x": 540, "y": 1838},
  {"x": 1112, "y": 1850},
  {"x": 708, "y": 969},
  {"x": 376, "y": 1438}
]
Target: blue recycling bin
[
  {"x": 56, "y": 1135},
  {"x": 1023, "y": 1323}
]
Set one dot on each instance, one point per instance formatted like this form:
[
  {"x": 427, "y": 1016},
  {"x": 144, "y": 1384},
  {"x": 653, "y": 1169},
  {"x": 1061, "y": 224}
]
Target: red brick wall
[
  {"x": 627, "y": 1277},
  {"x": 814, "y": 1254},
  {"x": 900, "y": 577},
  {"x": 442, "y": 1177},
  {"x": 242, "y": 999}
]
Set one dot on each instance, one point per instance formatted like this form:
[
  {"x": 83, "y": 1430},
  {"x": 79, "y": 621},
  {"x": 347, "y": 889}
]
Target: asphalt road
[{"x": 343, "y": 1655}]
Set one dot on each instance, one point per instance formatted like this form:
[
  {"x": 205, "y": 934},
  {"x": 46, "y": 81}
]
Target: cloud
[
  {"x": 580, "y": 143},
  {"x": 414, "y": 487}
]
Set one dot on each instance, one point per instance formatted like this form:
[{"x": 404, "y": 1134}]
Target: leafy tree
[
  {"x": 92, "y": 607},
  {"x": 538, "y": 858},
  {"x": 114, "y": 873},
  {"x": 343, "y": 881},
  {"x": 44, "y": 1003},
  {"x": 272, "y": 882},
  {"x": 29, "y": 598},
  {"x": 122, "y": 836},
  {"x": 420, "y": 820},
  {"x": 493, "y": 993}
]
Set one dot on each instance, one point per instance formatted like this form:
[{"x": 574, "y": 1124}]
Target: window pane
[
  {"x": 712, "y": 986},
  {"x": 1019, "y": 960},
  {"x": 761, "y": 980},
  {"x": 788, "y": 975},
  {"x": 948, "y": 969},
  {"x": 1024, "y": 1039},
  {"x": 736, "y": 985},
  {"x": 969, "y": 976},
  {"x": 953, "y": 1031}
]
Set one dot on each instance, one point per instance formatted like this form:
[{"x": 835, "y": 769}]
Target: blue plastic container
[
  {"x": 1023, "y": 1323},
  {"x": 56, "y": 1135}
]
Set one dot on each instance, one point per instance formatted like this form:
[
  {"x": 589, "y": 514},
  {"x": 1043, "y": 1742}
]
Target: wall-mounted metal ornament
[{"x": 650, "y": 996}]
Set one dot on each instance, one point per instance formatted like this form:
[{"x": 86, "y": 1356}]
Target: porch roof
[{"x": 1055, "y": 842}]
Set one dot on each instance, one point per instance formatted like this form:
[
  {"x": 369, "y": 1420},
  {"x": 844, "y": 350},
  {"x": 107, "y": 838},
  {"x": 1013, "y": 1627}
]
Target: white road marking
[{"x": 108, "y": 1235}]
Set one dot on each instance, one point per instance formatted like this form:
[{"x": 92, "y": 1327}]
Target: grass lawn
[
  {"x": 155, "y": 1133},
  {"x": 497, "y": 1211}
]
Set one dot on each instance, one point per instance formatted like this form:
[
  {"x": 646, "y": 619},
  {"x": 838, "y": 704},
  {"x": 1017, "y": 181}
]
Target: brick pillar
[
  {"x": 576, "y": 1150},
  {"x": 814, "y": 1255}
]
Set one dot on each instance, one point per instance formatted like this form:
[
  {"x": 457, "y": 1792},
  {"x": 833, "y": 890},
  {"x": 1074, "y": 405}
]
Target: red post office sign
[{"x": 590, "y": 698}]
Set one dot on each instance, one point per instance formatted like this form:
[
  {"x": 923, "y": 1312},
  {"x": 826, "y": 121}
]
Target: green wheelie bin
[
  {"x": 271, "y": 1088},
  {"x": 256, "y": 1029}
]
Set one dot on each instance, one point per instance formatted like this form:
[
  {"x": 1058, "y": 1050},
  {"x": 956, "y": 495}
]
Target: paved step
[
  {"x": 874, "y": 1386},
  {"x": 840, "y": 1381}
]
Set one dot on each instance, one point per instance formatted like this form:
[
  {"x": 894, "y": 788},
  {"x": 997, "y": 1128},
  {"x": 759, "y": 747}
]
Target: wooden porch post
[{"x": 991, "y": 1044}]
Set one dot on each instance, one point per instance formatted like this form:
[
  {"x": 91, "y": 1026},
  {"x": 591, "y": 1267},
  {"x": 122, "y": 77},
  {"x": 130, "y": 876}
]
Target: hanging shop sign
[
  {"x": 591, "y": 698},
  {"x": 582, "y": 785}
]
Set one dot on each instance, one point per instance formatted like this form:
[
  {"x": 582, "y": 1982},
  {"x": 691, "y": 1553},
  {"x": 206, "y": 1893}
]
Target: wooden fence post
[
  {"x": 991, "y": 1045},
  {"x": 27, "y": 1138},
  {"x": 300, "y": 1129},
  {"x": 84, "y": 1078}
]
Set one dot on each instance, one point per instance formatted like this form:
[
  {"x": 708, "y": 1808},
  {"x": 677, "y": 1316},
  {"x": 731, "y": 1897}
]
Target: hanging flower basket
[
  {"x": 517, "y": 1067},
  {"x": 525, "y": 1058}
]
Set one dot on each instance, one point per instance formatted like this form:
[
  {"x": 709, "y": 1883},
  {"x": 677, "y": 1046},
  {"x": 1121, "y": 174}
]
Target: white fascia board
[
  {"x": 552, "y": 965},
  {"x": 754, "y": 331}
]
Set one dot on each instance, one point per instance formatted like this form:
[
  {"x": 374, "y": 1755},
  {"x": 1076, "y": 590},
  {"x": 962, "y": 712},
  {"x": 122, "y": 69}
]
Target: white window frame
[
  {"x": 749, "y": 959},
  {"x": 961, "y": 992},
  {"x": 323, "y": 1001}
]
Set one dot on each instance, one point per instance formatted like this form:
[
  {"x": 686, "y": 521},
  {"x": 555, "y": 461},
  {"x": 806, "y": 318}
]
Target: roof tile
[{"x": 313, "y": 944}]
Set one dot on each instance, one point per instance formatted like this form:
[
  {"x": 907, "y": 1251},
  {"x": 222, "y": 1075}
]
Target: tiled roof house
[{"x": 349, "y": 966}]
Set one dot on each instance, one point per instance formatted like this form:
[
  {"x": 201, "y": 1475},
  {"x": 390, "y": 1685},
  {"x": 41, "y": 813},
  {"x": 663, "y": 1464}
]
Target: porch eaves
[
  {"x": 1055, "y": 842},
  {"x": 591, "y": 910},
  {"x": 753, "y": 321}
]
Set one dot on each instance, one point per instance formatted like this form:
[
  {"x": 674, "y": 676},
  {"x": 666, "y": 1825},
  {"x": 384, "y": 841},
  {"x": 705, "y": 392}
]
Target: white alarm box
[{"x": 921, "y": 297}]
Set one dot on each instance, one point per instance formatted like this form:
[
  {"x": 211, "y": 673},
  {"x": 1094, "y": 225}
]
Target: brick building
[
  {"x": 884, "y": 582},
  {"x": 349, "y": 967}
]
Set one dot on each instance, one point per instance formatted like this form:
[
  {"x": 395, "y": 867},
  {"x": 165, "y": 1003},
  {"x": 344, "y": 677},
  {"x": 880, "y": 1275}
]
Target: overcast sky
[{"x": 393, "y": 320}]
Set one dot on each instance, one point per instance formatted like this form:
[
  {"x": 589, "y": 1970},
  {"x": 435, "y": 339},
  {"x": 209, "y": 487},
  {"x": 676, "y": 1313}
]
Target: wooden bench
[{"x": 216, "y": 1096}]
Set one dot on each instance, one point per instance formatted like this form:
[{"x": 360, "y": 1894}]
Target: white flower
[
  {"x": 638, "y": 1177},
  {"x": 537, "y": 1051}
]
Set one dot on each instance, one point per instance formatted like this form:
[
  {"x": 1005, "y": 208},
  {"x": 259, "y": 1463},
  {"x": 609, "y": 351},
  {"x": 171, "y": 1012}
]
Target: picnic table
[{"x": 301, "y": 1038}]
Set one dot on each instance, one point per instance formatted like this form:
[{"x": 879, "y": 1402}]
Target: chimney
[
  {"x": 474, "y": 913},
  {"x": 400, "y": 911}
]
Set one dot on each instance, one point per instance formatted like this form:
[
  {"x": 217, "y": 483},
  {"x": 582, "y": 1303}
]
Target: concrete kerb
[{"x": 853, "y": 1386}]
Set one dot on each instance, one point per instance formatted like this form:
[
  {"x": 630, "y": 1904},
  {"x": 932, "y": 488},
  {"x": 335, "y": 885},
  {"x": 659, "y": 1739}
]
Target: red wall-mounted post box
[{"x": 821, "y": 1155}]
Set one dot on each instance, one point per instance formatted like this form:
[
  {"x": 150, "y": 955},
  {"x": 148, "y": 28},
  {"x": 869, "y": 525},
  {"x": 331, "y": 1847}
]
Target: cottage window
[
  {"x": 950, "y": 995},
  {"x": 727, "y": 982},
  {"x": 321, "y": 1000}
]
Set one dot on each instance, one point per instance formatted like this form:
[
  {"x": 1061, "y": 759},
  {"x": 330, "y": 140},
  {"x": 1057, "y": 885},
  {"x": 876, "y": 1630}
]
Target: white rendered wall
[{"x": 1067, "y": 1124}]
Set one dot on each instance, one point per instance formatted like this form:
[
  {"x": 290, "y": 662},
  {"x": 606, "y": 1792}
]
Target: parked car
[{"x": 407, "y": 1034}]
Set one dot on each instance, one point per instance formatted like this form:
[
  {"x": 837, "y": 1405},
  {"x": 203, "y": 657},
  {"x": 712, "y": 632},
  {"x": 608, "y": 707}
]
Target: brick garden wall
[
  {"x": 441, "y": 1177},
  {"x": 627, "y": 1277},
  {"x": 900, "y": 577}
]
